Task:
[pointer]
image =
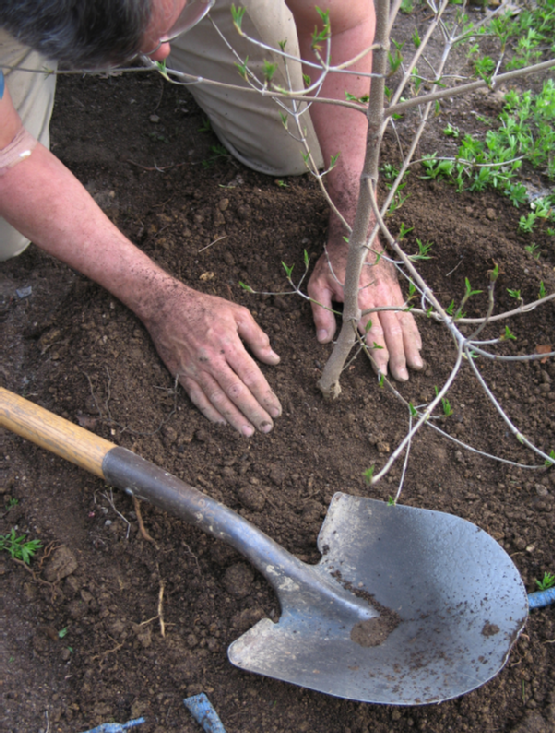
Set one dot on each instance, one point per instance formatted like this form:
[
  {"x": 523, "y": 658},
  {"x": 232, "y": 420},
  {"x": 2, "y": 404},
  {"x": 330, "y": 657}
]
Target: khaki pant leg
[
  {"x": 248, "y": 124},
  {"x": 32, "y": 93}
]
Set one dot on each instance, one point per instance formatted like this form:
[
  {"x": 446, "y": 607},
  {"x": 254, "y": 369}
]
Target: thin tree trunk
[{"x": 358, "y": 241}]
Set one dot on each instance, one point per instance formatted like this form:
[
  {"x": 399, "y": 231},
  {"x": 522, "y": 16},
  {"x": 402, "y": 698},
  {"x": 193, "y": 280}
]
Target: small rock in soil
[
  {"x": 144, "y": 635},
  {"x": 238, "y": 580},
  {"x": 531, "y": 723},
  {"x": 246, "y": 619},
  {"x": 62, "y": 564},
  {"x": 251, "y": 498}
]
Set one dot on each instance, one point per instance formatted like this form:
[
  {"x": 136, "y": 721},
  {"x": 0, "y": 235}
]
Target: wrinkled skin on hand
[
  {"x": 394, "y": 331},
  {"x": 200, "y": 338}
]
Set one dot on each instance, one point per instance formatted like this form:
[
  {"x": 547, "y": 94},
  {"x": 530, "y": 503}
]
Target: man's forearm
[
  {"x": 342, "y": 130},
  {"x": 43, "y": 200}
]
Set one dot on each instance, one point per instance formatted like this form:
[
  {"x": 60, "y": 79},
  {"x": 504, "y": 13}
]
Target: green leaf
[
  {"x": 246, "y": 287},
  {"x": 369, "y": 473},
  {"x": 268, "y": 70},
  {"x": 547, "y": 582},
  {"x": 242, "y": 68},
  {"x": 288, "y": 270},
  {"x": 412, "y": 410},
  {"x": 237, "y": 14},
  {"x": 468, "y": 288},
  {"x": 446, "y": 406}
]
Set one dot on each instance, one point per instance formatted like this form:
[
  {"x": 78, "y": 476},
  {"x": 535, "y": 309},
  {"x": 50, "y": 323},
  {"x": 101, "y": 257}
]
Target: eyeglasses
[{"x": 193, "y": 12}]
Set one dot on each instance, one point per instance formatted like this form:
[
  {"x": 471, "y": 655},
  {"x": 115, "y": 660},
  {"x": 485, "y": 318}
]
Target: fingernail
[
  {"x": 402, "y": 374},
  {"x": 247, "y": 431},
  {"x": 265, "y": 427},
  {"x": 322, "y": 335}
]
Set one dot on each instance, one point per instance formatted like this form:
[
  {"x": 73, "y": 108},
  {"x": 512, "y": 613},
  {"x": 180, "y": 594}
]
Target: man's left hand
[{"x": 393, "y": 336}]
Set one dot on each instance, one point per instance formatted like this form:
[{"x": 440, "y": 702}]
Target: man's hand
[
  {"x": 394, "y": 331},
  {"x": 199, "y": 338}
]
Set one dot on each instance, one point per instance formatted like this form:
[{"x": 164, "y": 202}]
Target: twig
[
  {"x": 110, "y": 500},
  {"x": 144, "y": 534},
  {"x": 211, "y": 243},
  {"x": 160, "y": 608}
]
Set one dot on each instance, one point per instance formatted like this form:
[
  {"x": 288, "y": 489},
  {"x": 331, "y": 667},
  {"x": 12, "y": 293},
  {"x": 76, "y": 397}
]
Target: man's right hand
[{"x": 200, "y": 338}]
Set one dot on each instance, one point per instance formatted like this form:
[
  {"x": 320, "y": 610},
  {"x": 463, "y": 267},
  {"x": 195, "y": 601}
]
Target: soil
[{"x": 83, "y": 642}]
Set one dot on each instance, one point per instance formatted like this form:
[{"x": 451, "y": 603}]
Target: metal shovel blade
[
  {"x": 407, "y": 606},
  {"x": 451, "y": 604}
]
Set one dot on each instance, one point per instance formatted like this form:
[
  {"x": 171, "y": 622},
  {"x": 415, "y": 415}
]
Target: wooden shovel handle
[{"x": 53, "y": 433}]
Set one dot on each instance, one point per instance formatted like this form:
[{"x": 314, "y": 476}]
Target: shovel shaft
[
  {"x": 53, "y": 433},
  {"x": 128, "y": 471}
]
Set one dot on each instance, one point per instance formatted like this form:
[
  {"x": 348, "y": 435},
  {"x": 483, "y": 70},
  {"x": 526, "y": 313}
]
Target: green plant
[
  {"x": 484, "y": 67},
  {"x": 527, "y": 222},
  {"x": 451, "y": 131},
  {"x": 403, "y": 231},
  {"x": 525, "y": 130},
  {"x": 217, "y": 152},
  {"x": 11, "y": 503},
  {"x": 534, "y": 250},
  {"x": 369, "y": 473},
  {"x": 19, "y": 547},
  {"x": 548, "y": 581},
  {"x": 423, "y": 250},
  {"x": 445, "y": 404}
]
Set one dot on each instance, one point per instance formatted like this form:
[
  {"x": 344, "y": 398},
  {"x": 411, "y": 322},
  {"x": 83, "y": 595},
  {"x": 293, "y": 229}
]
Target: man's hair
[{"x": 82, "y": 34}]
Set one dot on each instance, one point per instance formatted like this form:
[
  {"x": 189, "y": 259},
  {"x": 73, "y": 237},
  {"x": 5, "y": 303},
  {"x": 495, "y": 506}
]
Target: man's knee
[{"x": 249, "y": 125}]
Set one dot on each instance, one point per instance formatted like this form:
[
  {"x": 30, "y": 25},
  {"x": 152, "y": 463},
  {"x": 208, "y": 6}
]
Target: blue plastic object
[
  {"x": 116, "y": 727},
  {"x": 541, "y": 598},
  {"x": 203, "y": 712}
]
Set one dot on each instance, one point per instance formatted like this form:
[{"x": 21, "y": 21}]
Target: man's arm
[
  {"x": 198, "y": 336},
  {"x": 344, "y": 131}
]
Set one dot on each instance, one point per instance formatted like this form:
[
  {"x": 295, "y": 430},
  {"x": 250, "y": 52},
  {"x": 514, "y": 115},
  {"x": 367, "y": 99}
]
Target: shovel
[{"x": 406, "y": 606}]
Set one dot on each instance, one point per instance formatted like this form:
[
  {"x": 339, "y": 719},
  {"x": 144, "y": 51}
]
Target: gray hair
[{"x": 82, "y": 34}]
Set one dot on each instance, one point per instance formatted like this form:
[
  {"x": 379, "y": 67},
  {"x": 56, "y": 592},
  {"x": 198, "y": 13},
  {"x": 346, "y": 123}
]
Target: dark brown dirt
[{"x": 76, "y": 350}]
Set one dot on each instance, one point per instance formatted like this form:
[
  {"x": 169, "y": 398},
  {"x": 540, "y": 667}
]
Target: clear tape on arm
[{"x": 19, "y": 149}]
